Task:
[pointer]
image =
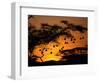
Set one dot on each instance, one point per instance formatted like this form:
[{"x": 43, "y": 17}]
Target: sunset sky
[{"x": 51, "y": 49}]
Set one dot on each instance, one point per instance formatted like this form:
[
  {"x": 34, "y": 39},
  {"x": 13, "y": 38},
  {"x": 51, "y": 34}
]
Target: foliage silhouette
[{"x": 48, "y": 33}]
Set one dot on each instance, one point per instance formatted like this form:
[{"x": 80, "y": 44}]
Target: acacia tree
[{"x": 49, "y": 33}]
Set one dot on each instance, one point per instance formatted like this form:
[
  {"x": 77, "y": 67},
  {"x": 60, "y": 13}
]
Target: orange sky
[{"x": 51, "y": 20}]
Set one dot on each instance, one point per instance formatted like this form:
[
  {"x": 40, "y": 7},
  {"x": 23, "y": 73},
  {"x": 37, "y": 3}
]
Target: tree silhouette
[{"x": 48, "y": 33}]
